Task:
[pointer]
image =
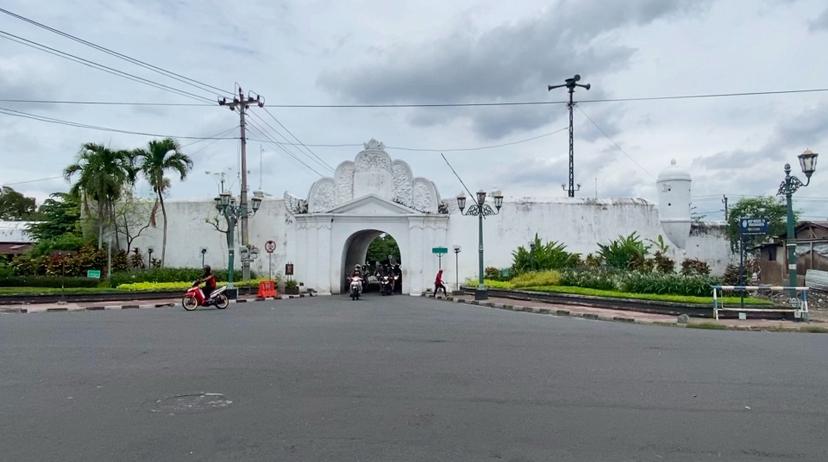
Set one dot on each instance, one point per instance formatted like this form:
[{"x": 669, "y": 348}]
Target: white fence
[{"x": 798, "y": 302}]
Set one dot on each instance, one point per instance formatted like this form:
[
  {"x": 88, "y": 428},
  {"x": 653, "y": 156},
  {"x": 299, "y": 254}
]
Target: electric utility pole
[
  {"x": 242, "y": 103},
  {"x": 724, "y": 201},
  {"x": 570, "y": 84}
]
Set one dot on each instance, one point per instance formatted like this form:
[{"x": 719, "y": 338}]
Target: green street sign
[
  {"x": 439, "y": 250},
  {"x": 93, "y": 274}
]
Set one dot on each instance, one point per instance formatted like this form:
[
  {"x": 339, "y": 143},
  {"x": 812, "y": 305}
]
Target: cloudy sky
[{"x": 377, "y": 52}]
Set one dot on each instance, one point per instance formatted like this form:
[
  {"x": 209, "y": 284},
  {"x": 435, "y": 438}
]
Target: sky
[{"x": 429, "y": 52}]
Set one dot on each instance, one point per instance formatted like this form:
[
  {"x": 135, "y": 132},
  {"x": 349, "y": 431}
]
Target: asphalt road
[{"x": 398, "y": 379}]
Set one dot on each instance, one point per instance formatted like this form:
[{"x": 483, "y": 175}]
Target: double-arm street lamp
[
  {"x": 807, "y": 161},
  {"x": 226, "y": 206},
  {"x": 480, "y": 209}
]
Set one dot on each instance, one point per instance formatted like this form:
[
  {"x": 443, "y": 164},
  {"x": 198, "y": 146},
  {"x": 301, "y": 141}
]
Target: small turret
[{"x": 673, "y": 186}]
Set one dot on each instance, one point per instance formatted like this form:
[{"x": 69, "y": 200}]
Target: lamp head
[
  {"x": 807, "y": 160},
  {"x": 257, "y": 202},
  {"x": 461, "y": 201},
  {"x": 481, "y": 197},
  {"x": 498, "y": 199},
  {"x": 224, "y": 199}
]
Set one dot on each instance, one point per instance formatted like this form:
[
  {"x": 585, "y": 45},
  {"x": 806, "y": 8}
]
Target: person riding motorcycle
[
  {"x": 357, "y": 273},
  {"x": 209, "y": 280},
  {"x": 397, "y": 272}
]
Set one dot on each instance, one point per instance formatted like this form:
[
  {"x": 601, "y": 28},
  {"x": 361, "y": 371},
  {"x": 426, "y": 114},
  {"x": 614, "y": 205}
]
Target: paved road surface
[{"x": 398, "y": 379}]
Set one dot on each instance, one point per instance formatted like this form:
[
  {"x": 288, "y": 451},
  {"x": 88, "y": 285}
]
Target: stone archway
[{"x": 355, "y": 250}]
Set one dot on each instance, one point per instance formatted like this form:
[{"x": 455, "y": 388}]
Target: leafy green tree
[
  {"x": 158, "y": 158},
  {"x": 58, "y": 215},
  {"x": 101, "y": 175},
  {"x": 381, "y": 247},
  {"x": 14, "y": 206},
  {"x": 768, "y": 207},
  {"x": 541, "y": 257}
]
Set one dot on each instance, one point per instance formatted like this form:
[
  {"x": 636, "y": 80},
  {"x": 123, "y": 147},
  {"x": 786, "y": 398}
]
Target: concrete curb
[{"x": 626, "y": 320}]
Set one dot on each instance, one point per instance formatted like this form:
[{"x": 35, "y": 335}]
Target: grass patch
[
  {"x": 814, "y": 329},
  {"x": 706, "y": 325},
  {"x": 634, "y": 296}
]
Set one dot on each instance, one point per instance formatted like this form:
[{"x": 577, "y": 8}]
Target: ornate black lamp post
[
  {"x": 226, "y": 205},
  {"x": 480, "y": 209},
  {"x": 807, "y": 161}
]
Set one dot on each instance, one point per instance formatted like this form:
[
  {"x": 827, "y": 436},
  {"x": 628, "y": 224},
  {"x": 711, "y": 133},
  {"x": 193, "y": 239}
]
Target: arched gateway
[{"x": 367, "y": 197}]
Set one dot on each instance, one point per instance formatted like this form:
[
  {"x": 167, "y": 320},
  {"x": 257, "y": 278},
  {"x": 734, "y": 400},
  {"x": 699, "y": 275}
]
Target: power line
[
  {"x": 536, "y": 103},
  {"x": 36, "y": 180},
  {"x": 165, "y": 72},
  {"x": 52, "y": 120},
  {"x": 298, "y": 140},
  {"x": 98, "y": 66},
  {"x": 269, "y": 139},
  {"x": 214, "y": 138},
  {"x": 613, "y": 142},
  {"x": 316, "y": 158},
  {"x": 103, "y": 103}
]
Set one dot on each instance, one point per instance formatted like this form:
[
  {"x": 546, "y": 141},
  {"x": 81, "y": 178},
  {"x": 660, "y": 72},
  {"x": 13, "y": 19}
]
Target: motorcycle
[
  {"x": 195, "y": 298},
  {"x": 355, "y": 287},
  {"x": 385, "y": 285}
]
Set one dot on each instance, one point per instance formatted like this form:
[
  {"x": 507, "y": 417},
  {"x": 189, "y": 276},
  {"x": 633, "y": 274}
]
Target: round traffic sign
[{"x": 270, "y": 246}]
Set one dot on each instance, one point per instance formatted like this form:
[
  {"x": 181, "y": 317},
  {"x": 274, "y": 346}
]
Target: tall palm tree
[
  {"x": 102, "y": 174},
  {"x": 159, "y": 157}
]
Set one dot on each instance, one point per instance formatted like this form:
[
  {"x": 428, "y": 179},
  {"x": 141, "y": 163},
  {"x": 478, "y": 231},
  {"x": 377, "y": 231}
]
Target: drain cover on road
[{"x": 191, "y": 403}]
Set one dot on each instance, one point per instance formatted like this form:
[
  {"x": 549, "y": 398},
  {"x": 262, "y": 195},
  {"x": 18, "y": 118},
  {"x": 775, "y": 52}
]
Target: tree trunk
[
  {"x": 164, "y": 238},
  {"x": 100, "y": 226}
]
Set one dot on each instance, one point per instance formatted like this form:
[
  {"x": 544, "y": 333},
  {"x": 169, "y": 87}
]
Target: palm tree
[
  {"x": 102, "y": 174},
  {"x": 154, "y": 162}
]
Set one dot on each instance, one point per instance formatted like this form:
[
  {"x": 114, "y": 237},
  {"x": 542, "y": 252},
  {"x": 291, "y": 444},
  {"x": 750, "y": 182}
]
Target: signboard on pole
[
  {"x": 439, "y": 250},
  {"x": 93, "y": 274},
  {"x": 753, "y": 226},
  {"x": 270, "y": 246}
]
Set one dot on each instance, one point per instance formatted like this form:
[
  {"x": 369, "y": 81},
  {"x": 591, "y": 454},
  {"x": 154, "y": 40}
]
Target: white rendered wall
[{"x": 317, "y": 250}]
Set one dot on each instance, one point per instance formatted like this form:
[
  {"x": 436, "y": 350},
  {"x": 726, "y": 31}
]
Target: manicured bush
[
  {"x": 656, "y": 283},
  {"x": 536, "y": 278},
  {"x": 167, "y": 275},
  {"x": 593, "y": 279},
  {"x": 492, "y": 273},
  {"x": 663, "y": 263},
  {"x": 179, "y": 285},
  {"x": 47, "y": 281}
]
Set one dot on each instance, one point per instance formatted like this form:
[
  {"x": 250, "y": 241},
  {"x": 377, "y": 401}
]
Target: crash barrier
[
  {"x": 267, "y": 289},
  {"x": 798, "y": 301}
]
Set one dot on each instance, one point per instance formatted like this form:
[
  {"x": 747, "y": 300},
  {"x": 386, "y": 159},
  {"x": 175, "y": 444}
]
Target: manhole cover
[{"x": 191, "y": 403}]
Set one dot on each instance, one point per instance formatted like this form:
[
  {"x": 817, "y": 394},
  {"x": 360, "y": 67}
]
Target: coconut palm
[
  {"x": 101, "y": 174},
  {"x": 159, "y": 157}
]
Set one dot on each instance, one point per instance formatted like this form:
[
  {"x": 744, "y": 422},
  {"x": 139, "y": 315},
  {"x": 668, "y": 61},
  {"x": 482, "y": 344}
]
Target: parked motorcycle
[
  {"x": 195, "y": 298},
  {"x": 355, "y": 287}
]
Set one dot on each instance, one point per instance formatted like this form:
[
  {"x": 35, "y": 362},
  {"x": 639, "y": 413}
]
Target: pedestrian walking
[{"x": 438, "y": 284}]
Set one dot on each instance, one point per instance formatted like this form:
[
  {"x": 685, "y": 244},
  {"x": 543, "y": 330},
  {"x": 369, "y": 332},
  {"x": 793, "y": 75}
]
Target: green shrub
[
  {"x": 624, "y": 251},
  {"x": 694, "y": 267},
  {"x": 179, "y": 285},
  {"x": 492, "y": 273},
  {"x": 167, "y": 275},
  {"x": 541, "y": 257},
  {"x": 593, "y": 279},
  {"x": 663, "y": 263},
  {"x": 656, "y": 283},
  {"x": 47, "y": 281},
  {"x": 536, "y": 278}
]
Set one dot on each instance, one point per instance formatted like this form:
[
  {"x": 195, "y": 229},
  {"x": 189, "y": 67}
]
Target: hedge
[
  {"x": 47, "y": 281},
  {"x": 167, "y": 275}
]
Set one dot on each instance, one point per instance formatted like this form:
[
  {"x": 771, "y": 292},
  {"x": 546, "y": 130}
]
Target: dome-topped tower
[{"x": 673, "y": 185}]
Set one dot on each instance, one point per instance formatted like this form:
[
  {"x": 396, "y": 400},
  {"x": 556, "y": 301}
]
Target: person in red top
[
  {"x": 438, "y": 284},
  {"x": 209, "y": 280}
]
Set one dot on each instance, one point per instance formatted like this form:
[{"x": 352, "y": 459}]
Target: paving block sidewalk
[{"x": 635, "y": 317}]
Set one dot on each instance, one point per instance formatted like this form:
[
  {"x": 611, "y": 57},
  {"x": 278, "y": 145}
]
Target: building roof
[{"x": 14, "y": 232}]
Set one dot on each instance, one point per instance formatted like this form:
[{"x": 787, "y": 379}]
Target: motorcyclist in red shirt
[{"x": 209, "y": 280}]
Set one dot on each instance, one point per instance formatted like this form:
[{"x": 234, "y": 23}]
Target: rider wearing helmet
[{"x": 209, "y": 280}]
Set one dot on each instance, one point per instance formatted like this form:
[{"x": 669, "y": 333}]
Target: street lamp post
[
  {"x": 480, "y": 209},
  {"x": 807, "y": 161},
  {"x": 226, "y": 206},
  {"x": 457, "y": 267}
]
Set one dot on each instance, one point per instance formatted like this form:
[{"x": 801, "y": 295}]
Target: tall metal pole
[
  {"x": 457, "y": 269},
  {"x": 570, "y": 84},
  {"x": 480, "y": 286},
  {"x": 571, "y": 190}
]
